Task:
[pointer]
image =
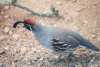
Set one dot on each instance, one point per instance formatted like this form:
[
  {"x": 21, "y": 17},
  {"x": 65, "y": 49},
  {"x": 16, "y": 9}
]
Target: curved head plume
[
  {"x": 28, "y": 23},
  {"x": 16, "y": 23}
]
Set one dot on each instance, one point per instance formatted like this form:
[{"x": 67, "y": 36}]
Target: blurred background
[{"x": 19, "y": 47}]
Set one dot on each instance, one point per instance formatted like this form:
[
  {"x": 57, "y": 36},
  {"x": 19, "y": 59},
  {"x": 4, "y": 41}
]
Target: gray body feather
[{"x": 61, "y": 40}]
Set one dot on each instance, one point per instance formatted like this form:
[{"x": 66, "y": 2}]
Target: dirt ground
[{"x": 19, "y": 47}]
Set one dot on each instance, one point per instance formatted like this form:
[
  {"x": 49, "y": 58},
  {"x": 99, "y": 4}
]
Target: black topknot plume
[{"x": 16, "y": 23}]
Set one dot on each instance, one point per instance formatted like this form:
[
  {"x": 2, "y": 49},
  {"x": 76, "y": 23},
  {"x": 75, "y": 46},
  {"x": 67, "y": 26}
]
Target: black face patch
[{"x": 28, "y": 26}]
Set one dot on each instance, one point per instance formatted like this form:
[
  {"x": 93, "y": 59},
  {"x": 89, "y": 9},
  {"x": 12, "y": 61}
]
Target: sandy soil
[{"x": 19, "y": 47}]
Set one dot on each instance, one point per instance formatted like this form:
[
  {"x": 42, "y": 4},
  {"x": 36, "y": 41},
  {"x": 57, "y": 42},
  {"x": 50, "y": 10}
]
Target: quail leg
[{"x": 71, "y": 60}]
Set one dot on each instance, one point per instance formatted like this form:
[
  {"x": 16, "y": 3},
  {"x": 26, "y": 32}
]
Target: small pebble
[
  {"x": 2, "y": 12},
  {"x": 6, "y": 16},
  {"x": 93, "y": 36},
  {"x": 16, "y": 36},
  {"x": 6, "y": 29},
  {"x": 6, "y": 7},
  {"x": 2, "y": 51},
  {"x": 10, "y": 33},
  {"x": 59, "y": 3}
]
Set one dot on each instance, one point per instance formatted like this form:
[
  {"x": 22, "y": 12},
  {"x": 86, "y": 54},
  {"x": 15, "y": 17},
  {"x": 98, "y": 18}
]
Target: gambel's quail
[{"x": 59, "y": 40}]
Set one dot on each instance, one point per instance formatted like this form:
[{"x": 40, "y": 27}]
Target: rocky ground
[{"x": 19, "y": 47}]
